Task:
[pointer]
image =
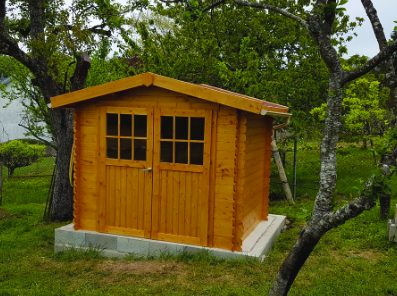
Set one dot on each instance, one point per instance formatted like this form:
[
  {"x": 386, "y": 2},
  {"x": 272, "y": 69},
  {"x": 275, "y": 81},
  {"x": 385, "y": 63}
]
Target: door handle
[{"x": 147, "y": 170}]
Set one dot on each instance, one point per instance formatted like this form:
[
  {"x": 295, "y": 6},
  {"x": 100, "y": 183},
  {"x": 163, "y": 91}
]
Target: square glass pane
[
  {"x": 167, "y": 127},
  {"x": 197, "y": 128},
  {"x": 139, "y": 149},
  {"x": 112, "y": 149},
  {"x": 140, "y": 126},
  {"x": 112, "y": 124},
  {"x": 181, "y": 152},
  {"x": 126, "y": 125},
  {"x": 166, "y": 152},
  {"x": 196, "y": 153},
  {"x": 126, "y": 149},
  {"x": 181, "y": 128}
]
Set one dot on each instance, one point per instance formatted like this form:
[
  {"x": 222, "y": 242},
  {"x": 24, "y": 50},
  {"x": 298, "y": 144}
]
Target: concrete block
[
  {"x": 256, "y": 245},
  {"x": 132, "y": 245},
  {"x": 191, "y": 249},
  {"x": 158, "y": 248},
  {"x": 69, "y": 236},
  {"x": 101, "y": 241}
]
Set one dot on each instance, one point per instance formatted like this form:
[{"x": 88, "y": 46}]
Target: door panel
[
  {"x": 125, "y": 200},
  {"x": 180, "y": 185},
  {"x": 126, "y": 148},
  {"x": 171, "y": 201}
]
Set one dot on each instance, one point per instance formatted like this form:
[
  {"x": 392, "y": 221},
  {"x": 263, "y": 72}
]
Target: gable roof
[{"x": 201, "y": 91}]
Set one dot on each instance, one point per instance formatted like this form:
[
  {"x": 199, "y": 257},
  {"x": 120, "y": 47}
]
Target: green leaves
[
  {"x": 16, "y": 154},
  {"x": 364, "y": 113}
]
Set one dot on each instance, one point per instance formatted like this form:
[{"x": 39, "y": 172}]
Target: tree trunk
[
  {"x": 373, "y": 152},
  {"x": 303, "y": 247},
  {"x": 62, "y": 208},
  {"x": 365, "y": 143},
  {"x": 11, "y": 171},
  {"x": 384, "y": 203},
  {"x": 311, "y": 234}
]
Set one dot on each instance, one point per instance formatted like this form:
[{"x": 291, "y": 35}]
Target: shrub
[{"x": 16, "y": 154}]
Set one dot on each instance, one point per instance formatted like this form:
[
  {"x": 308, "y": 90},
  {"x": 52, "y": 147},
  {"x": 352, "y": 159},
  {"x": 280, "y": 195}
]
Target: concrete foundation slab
[{"x": 256, "y": 245}]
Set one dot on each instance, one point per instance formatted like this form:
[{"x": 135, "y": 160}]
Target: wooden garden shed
[{"x": 168, "y": 160}]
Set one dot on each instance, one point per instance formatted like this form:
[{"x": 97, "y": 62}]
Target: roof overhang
[{"x": 205, "y": 92}]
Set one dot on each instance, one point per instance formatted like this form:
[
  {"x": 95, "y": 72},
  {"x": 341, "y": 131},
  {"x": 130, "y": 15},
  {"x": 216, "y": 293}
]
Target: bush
[{"x": 16, "y": 154}]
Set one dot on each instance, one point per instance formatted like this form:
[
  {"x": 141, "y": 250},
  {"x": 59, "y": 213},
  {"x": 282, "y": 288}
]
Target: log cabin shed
[{"x": 167, "y": 160}]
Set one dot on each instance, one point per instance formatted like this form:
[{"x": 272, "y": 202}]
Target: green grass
[
  {"x": 21, "y": 190},
  {"x": 354, "y": 165},
  {"x": 353, "y": 259},
  {"x": 43, "y": 166}
]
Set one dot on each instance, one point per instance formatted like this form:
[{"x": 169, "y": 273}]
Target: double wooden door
[{"x": 154, "y": 173}]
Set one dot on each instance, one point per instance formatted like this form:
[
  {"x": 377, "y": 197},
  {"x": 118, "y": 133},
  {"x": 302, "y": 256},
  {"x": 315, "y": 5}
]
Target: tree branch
[
  {"x": 365, "y": 202},
  {"x": 213, "y": 5},
  {"x": 36, "y": 19},
  {"x": 98, "y": 29},
  {"x": 375, "y": 22},
  {"x": 80, "y": 72},
  {"x": 8, "y": 45},
  {"x": 275, "y": 9},
  {"x": 39, "y": 138},
  {"x": 391, "y": 78},
  {"x": 372, "y": 63}
]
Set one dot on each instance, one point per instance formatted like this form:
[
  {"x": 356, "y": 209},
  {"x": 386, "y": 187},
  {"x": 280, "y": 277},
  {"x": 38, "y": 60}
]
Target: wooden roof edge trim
[
  {"x": 208, "y": 94},
  {"x": 264, "y": 102},
  {"x": 102, "y": 89},
  {"x": 230, "y": 92}
]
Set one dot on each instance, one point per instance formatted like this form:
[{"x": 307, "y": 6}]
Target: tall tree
[
  {"x": 320, "y": 22},
  {"x": 53, "y": 41},
  {"x": 239, "y": 49}
]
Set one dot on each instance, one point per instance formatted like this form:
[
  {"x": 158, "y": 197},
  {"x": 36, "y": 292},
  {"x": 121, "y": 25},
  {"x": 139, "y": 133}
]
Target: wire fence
[
  {"x": 354, "y": 166},
  {"x": 28, "y": 184}
]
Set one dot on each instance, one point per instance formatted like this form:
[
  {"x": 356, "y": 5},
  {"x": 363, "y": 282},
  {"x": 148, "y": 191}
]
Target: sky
[{"x": 365, "y": 43}]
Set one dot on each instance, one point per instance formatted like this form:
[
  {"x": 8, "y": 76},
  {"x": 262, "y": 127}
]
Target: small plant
[
  {"x": 16, "y": 154},
  {"x": 342, "y": 152}
]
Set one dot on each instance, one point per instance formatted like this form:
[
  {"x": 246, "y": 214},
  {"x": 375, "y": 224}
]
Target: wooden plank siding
[
  {"x": 225, "y": 182},
  {"x": 268, "y": 154},
  {"x": 240, "y": 181},
  {"x": 253, "y": 173},
  {"x": 86, "y": 151},
  {"x": 216, "y": 205}
]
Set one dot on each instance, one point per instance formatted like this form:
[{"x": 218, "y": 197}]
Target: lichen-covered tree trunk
[{"x": 310, "y": 235}]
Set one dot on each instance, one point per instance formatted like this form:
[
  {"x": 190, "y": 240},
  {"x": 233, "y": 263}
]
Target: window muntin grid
[
  {"x": 126, "y": 136},
  {"x": 182, "y": 140}
]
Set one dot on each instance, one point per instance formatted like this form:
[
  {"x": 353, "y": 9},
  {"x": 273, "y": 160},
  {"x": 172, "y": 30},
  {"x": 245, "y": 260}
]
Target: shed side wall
[
  {"x": 225, "y": 178},
  {"x": 255, "y": 138}
]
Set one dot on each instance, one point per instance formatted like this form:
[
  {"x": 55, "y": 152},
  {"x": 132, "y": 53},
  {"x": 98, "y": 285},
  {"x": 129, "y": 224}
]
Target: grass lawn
[{"x": 354, "y": 259}]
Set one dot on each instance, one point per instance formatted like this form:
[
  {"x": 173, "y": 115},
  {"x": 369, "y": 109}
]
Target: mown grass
[
  {"x": 355, "y": 165},
  {"x": 353, "y": 259},
  {"x": 25, "y": 187}
]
